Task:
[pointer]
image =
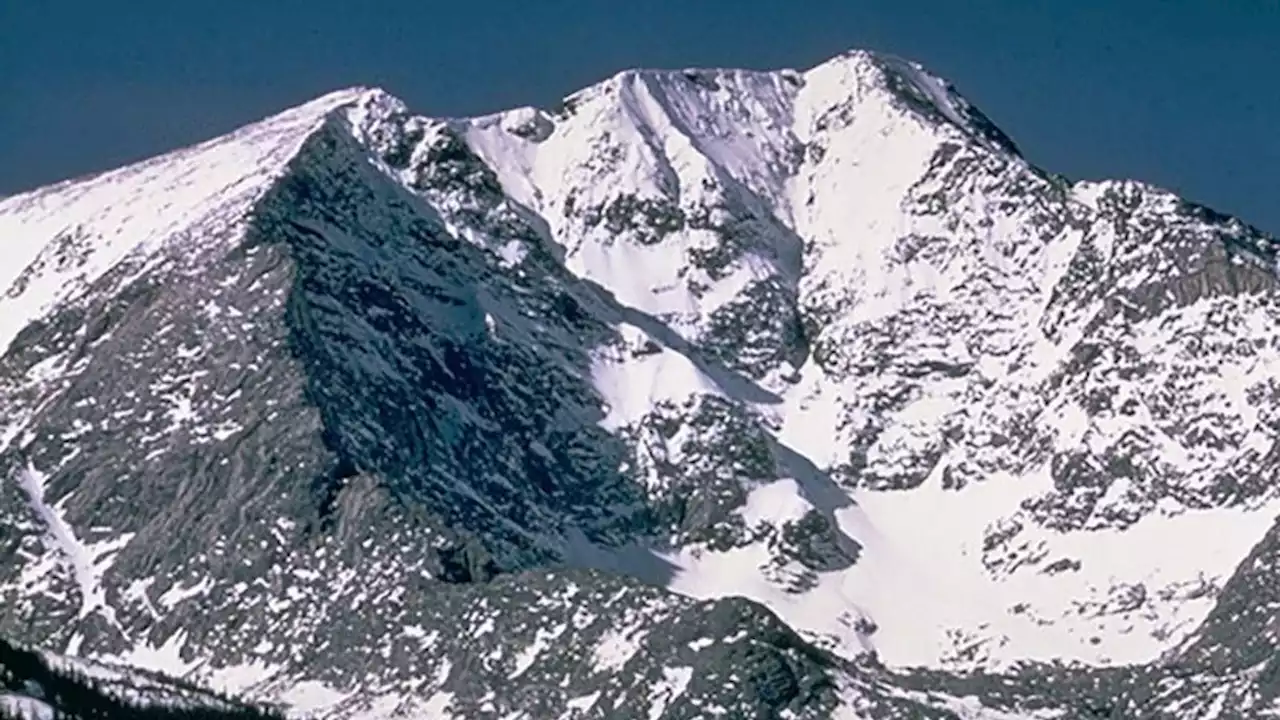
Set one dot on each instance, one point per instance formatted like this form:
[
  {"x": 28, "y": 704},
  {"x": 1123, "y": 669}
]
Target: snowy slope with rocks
[
  {"x": 43, "y": 686},
  {"x": 708, "y": 393}
]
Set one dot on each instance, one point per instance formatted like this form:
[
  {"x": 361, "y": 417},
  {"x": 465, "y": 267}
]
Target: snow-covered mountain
[{"x": 708, "y": 393}]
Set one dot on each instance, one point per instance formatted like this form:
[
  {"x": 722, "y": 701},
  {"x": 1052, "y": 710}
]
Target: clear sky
[{"x": 1181, "y": 93}]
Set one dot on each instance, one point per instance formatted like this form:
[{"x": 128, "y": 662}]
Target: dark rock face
[{"x": 389, "y": 322}]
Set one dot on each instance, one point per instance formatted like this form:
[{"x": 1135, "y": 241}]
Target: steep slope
[
  {"x": 371, "y": 414},
  {"x": 995, "y": 360},
  {"x": 337, "y": 427}
]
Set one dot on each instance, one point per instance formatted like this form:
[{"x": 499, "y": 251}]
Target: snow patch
[
  {"x": 673, "y": 684},
  {"x": 178, "y": 593},
  {"x": 58, "y": 240},
  {"x": 617, "y": 647},
  {"x": 632, "y": 383},
  {"x": 86, "y": 563},
  {"x": 311, "y": 697}
]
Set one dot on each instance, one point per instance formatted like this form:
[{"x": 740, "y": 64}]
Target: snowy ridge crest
[{"x": 59, "y": 240}]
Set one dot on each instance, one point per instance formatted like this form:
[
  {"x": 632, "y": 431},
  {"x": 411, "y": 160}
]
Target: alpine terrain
[{"x": 708, "y": 393}]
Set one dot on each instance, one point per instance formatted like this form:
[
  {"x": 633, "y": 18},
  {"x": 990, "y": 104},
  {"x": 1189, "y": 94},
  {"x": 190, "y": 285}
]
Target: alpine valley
[{"x": 708, "y": 393}]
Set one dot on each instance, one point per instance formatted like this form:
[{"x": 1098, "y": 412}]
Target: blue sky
[{"x": 1182, "y": 93}]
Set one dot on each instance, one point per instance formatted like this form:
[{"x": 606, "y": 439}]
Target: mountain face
[{"x": 709, "y": 393}]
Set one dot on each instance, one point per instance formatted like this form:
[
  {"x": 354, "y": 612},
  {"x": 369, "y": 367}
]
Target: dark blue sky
[{"x": 1182, "y": 93}]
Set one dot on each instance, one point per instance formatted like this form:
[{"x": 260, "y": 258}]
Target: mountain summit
[{"x": 708, "y": 393}]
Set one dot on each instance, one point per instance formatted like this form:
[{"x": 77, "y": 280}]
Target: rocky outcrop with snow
[
  {"x": 45, "y": 686},
  {"x": 709, "y": 392}
]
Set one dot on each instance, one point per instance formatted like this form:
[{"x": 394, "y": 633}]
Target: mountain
[{"x": 708, "y": 393}]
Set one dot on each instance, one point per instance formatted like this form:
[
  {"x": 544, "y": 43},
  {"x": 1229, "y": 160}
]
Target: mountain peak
[
  {"x": 338, "y": 98},
  {"x": 911, "y": 84},
  {"x": 129, "y": 213}
]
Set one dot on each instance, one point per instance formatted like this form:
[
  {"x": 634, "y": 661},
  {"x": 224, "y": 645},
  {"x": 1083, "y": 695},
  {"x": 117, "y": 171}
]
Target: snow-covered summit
[{"x": 60, "y": 239}]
